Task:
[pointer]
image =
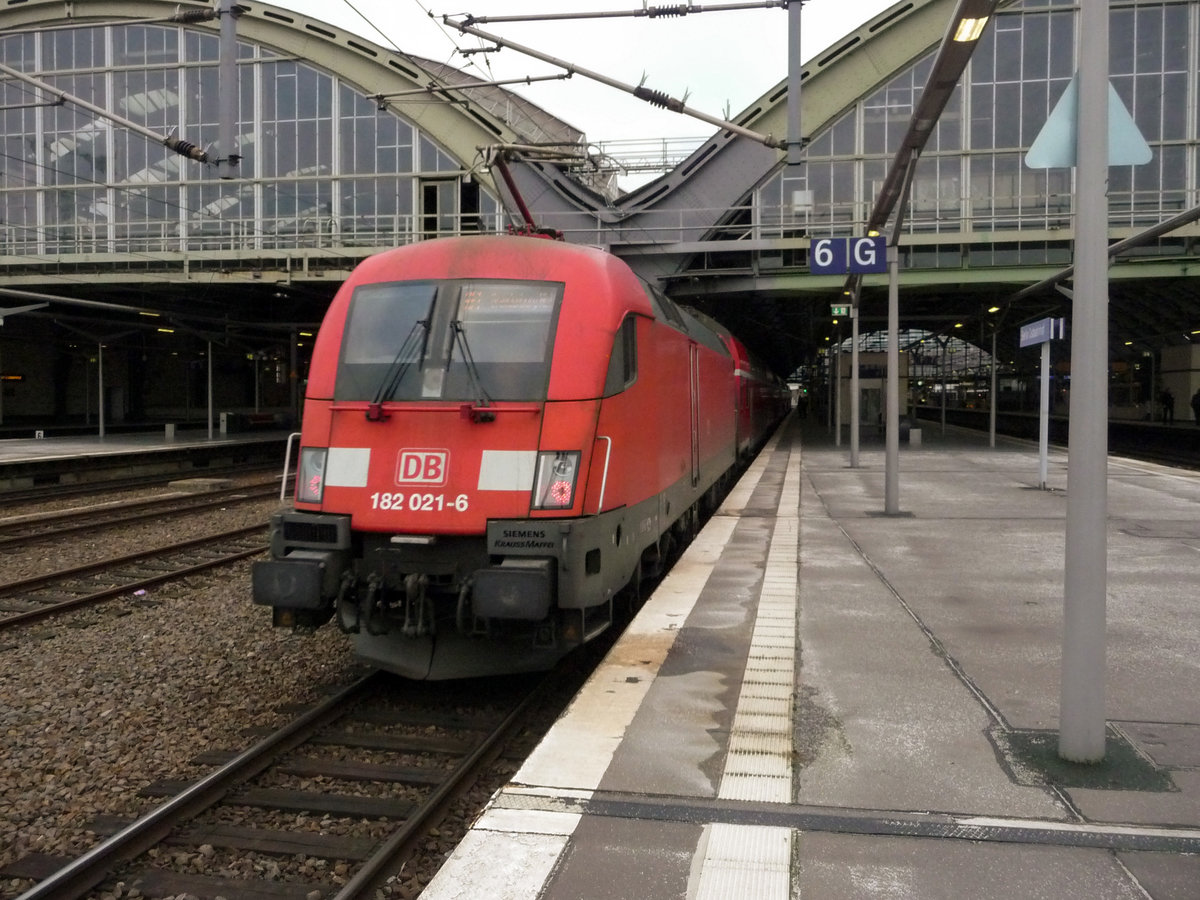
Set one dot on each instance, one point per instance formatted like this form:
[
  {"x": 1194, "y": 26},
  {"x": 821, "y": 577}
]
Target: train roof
[{"x": 496, "y": 256}]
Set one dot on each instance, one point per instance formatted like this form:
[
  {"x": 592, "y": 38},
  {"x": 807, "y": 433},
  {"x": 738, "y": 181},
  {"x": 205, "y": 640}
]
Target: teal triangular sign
[{"x": 1054, "y": 147}]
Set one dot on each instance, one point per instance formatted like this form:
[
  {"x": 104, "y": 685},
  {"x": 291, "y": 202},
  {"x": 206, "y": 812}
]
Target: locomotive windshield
[
  {"x": 386, "y": 333},
  {"x": 448, "y": 340}
]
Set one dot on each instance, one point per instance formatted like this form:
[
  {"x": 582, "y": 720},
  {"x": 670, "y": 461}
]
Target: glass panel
[
  {"x": 1122, "y": 42},
  {"x": 378, "y": 211},
  {"x": 1173, "y": 181},
  {"x": 983, "y": 60},
  {"x": 1174, "y": 106},
  {"x": 819, "y": 184},
  {"x": 142, "y": 45},
  {"x": 148, "y": 219},
  {"x": 77, "y": 145},
  {"x": 823, "y": 145},
  {"x": 947, "y": 135},
  {"x": 1175, "y": 44},
  {"x": 1008, "y": 48},
  {"x": 936, "y": 194},
  {"x": 1147, "y": 105},
  {"x": 1062, "y": 45},
  {"x": 428, "y": 161},
  {"x": 1036, "y": 59},
  {"x": 1149, "y": 39},
  {"x": 622, "y": 364},
  {"x": 70, "y": 49},
  {"x": 983, "y": 102},
  {"x": 164, "y": 77},
  {"x": 76, "y": 220},
  {"x": 18, "y": 51},
  {"x": 505, "y": 328},
  {"x": 843, "y": 135},
  {"x": 1007, "y": 115},
  {"x": 220, "y": 214},
  {"x": 478, "y": 340},
  {"x": 981, "y": 185},
  {"x": 1035, "y": 110},
  {"x": 384, "y": 341}
]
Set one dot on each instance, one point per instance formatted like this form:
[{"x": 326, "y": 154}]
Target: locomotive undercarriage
[
  {"x": 406, "y": 590},
  {"x": 441, "y": 606},
  {"x": 418, "y": 609},
  {"x": 413, "y": 590}
]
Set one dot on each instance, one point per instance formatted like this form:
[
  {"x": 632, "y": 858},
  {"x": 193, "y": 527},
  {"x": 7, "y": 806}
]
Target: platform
[
  {"x": 824, "y": 701},
  {"x": 29, "y": 463}
]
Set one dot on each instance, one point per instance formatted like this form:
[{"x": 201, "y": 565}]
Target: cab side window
[
  {"x": 622, "y": 364},
  {"x": 664, "y": 307}
]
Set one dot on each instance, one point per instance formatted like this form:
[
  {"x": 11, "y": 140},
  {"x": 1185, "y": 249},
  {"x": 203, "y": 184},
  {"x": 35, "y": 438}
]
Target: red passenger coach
[
  {"x": 762, "y": 398},
  {"x": 500, "y": 433}
]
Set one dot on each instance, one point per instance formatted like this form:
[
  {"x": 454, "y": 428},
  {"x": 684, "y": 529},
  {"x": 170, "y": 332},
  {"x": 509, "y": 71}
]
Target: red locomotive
[{"x": 500, "y": 434}]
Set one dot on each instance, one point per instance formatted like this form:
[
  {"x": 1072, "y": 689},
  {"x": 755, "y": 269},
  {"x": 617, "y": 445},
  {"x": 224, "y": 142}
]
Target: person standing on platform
[
  {"x": 1196, "y": 405},
  {"x": 1168, "y": 404}
]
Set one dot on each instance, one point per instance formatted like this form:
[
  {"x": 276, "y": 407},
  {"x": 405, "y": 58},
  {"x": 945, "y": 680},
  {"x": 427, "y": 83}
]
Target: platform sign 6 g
[{"x": 840, "y": 256}]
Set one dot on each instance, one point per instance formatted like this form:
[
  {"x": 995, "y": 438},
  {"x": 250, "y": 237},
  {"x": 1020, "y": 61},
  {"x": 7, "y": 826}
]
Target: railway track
[
  {"x": 29, "y": 599},
  {"x": 354, "y": 760},
  {"x": 109, "y": 487},
  {"x": 21, "y": 530}
]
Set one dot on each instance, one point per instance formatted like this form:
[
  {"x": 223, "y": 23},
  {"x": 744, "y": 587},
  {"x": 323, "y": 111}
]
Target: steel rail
[
  {"x": 115, "y": 485},
  {"x": 371, "y": 875},
  {"x": 124, "y": 513},
  {"x": 109, "y": 592},
  {"x": 74, "y": 880}
]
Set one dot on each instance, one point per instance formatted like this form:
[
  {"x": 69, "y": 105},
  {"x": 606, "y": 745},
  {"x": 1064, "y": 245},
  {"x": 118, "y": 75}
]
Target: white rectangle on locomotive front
[
  {"x": 347, "y": 467},
  {"x": 507, "y": 470}
]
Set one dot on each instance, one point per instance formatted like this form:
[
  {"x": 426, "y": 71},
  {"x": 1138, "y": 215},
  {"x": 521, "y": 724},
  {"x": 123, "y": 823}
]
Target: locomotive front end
[{"x": 438, "y": 508}]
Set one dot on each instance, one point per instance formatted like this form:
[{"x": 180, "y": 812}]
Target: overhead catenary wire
[
  {"x": 182, "y": 147},
  {"x": 654, "y": 97},
  {"x": 433, "y": 88},
  {"x": 646, "y": 12}
]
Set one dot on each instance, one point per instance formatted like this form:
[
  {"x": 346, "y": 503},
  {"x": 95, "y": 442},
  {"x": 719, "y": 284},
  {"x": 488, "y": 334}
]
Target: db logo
[{"x": 422, "y": 466}]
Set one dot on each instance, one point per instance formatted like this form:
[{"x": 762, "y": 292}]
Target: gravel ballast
[{"x": 100, "y": 702}]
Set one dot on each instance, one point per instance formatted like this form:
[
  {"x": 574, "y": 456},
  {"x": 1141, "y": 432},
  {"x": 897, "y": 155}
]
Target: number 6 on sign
[{"x": 827, "y": 256}]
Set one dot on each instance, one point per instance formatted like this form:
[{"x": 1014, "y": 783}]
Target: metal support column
[
  {"x": 100, "y": 383},
  {"x": 837, "y": 393},
  {"x": 891, "y": 476},
  {"x": 994, "y": 398},
  {"x": 1044, "y": 418},
  {"x": 227, "y": 165},
  {"x": 210, "y": 392},
  {"x": 855, "y": 390},
  {"x": 1082, "y": 723}
]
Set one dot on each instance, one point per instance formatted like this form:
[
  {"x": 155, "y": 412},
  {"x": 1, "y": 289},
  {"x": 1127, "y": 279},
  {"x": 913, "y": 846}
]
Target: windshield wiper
[
  {"x": 460, "y": 337},
  {"x": 397, "y": 368}
]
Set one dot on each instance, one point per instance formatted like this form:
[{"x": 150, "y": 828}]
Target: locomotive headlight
[
  {"x": 554, "y": 481},
  {"x": 310, "y": 476}
]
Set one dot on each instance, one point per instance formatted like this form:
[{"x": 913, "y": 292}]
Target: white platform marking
[
  {"x": 749, "y": 862},
  {"x": 502, "y": 859}
]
